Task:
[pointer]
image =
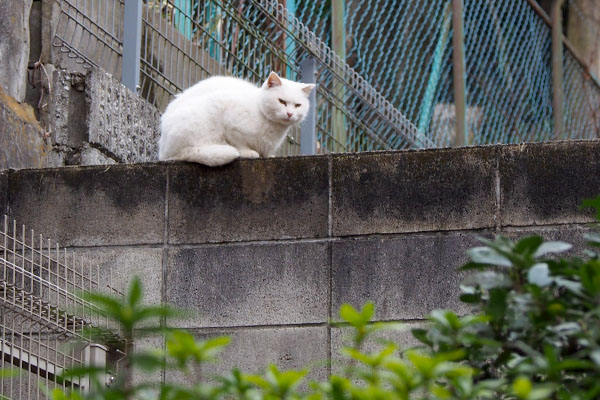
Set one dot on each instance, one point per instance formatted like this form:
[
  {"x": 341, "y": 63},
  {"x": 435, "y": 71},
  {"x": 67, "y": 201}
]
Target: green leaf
[
  {"x": 470, "y": 298},
  {"x": 592, "y": 203},
  {"x": 9, "y": 372},
  {"x": 541, "y": 392},
  {"x": 497, "y": 305},
  {"x": 489, "y": 256},
  {"x": 489, "y": 280},
  {"x": 595, "y": 356},
  {"x": 552, "y": 247},
  {"x": 367, "y": 311},
  {"x": 522, "y": 387},
  {"x": 350, "y": 315},
  {"x": 421, "y": 336},
  {"x": 134, "y": 294},
  {"x": 593, "y": 239},
  {"x": 424, "y": 364},
  {"x": 570, "y": 285},
  {"x": 528, "y": 245},
  {"x": 539, "y": 275}
]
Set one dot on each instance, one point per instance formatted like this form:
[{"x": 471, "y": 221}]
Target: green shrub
[{"x": 534, "y": 333}]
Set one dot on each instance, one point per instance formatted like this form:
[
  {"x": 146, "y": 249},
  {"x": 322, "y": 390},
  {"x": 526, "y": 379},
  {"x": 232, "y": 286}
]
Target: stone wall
[
  {"x": 267, "y": 250},
  {"x": 89, "y": 119}
]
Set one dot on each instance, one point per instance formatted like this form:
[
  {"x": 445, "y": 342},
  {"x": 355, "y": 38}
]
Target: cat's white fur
[{"x": 221, "y": 118}]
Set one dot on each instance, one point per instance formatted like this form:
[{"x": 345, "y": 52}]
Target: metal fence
[
  {"x": 395, "y": 85},
  {"x": 43, "y": 316}
]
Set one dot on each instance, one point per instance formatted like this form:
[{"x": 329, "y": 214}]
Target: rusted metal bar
[
  {"x": 557, "y": 69},
  {"x": 458, "y": 64}
]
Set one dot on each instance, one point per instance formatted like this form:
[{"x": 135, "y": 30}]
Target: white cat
[{"x": 221, "y": 118}]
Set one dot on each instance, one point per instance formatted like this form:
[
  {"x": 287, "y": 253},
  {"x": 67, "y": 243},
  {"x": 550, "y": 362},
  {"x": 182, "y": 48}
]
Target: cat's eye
[
  {"x": 283, "y": 102},
  {"x": 297, "y": 105}
]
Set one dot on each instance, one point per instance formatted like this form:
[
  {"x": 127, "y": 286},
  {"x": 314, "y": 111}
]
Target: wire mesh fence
[
  {"x": 248, "y": 39},
  {"x": 404, "y": 48},
  {"x": 43, "y": 318},
  {"x": 393, "y": 88}
]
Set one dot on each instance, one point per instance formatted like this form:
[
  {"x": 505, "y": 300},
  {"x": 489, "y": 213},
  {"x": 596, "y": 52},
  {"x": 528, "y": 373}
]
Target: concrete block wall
[{"x": 267, "y": 250}]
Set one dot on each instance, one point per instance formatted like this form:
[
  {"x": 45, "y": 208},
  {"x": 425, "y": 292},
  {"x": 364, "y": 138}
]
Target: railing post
[
  {"x": 338, "y": 41},
  {"x": 132, "y": 43},
  {"x": 308, "y": 131},
  {"x": 458, "y": 64},
  {"x": 557, "y": 69},
  {"x": 94, "y": 355}
]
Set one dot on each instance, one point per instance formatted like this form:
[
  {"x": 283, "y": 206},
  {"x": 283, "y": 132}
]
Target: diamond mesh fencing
[
  {"x": 184, "y": 42},
  {"x": 404, "y": 48},
  {"x": 393, "y": 88}
]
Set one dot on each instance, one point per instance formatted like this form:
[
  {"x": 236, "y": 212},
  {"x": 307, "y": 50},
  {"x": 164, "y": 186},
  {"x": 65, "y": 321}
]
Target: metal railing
[
  {"x": 43, "y": 318},
  {"x": 404, "y": 78}
]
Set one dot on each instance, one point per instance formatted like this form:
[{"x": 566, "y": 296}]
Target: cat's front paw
[{"x": 247, "y": 153}]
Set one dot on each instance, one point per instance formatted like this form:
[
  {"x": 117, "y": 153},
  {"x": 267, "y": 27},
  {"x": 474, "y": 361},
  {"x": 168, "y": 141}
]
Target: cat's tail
[{"x": 212, "y": 155}]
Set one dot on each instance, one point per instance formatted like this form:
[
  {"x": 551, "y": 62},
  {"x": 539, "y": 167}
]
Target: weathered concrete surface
[
  {"x": 68, "y": 109},
  {"x": 95, "y": 120},
  {"x": 22, "y": 142},
  {"x": 3, "y": 192},
  {"x": 120, "y": 121},
  {"x": 14, "y": 46},
  {"x": 127, "y": 263},
  {"x": 413, "y": 191},
  {"x": 264, "y": 199},
  {"x": 86, "y": 206},
  {"x": 247, "y": 285},
  {"x": 252, "y": 350},
  {"x": 406, "y": 277},
  {"x": 542, "y": 184},
  {"x": 248, "y": 249}
]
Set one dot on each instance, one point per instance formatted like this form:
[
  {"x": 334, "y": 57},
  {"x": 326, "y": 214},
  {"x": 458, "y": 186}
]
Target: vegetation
[{"x": 534, "y": 334}]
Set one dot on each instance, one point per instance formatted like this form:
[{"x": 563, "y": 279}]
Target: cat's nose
[{"x": 289, "y": 114}]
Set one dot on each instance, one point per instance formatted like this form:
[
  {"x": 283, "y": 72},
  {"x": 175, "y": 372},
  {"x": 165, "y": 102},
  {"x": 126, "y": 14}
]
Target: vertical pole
[
  {"x": 557, "y": 69},
  {"x": 290, "y": 43},
  {"x": 458, "y": 60},
  {"x": 132, "y": 43},
  {"x": 308, "y": 132},
  {"x": 338, "y": 41}
]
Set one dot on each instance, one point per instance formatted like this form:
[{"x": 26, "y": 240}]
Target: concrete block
[
  {"x": 544, "y": 183},
  {"x": 3, "y": 193},
  {"x": 412, "y": 191},
  {"x": 92, "y": 206},
  {"x": 262, "y": 199},
  {"x": 127, "y": 262},
  {"x": 343, "y": 337},
  {"x": 252, "y": 350},
  {"x": 406, "y": 277},
  {"x": 120, "y": 121},
  {"x": 93, "y": 156},
  {"x": 68, "y": 109},
  {"x": 242, "y": 285},
  {"x": 148, "y": 344},
  {"x": 14, "y": 46}
]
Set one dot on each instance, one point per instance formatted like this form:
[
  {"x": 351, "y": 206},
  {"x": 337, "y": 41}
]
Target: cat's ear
[
  {"x": 308, "y": 88},
  {"x": 273, "y": 80}
]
